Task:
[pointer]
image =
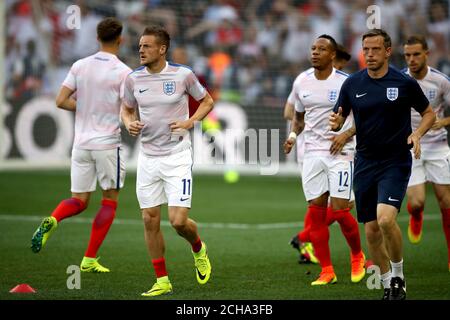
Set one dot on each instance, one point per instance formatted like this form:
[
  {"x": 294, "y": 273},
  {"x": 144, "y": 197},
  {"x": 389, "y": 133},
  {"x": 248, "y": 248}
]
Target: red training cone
[{"x": 22, "y": 288}]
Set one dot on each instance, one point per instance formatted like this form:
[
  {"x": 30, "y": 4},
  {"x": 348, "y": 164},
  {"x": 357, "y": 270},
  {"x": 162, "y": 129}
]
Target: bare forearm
[
  {"x": 204, "y": 108},
  {"x": 128, "y": 115},
  {"x": 69, "y": 104},
  {"x": 428, "y": 118},
  {"x": 298, "y": 123}
]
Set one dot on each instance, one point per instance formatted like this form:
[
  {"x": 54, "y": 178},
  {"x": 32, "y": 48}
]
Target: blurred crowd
[{"x": 245, "y": 51}]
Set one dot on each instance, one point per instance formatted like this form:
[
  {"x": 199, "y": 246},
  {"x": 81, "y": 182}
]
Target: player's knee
[
  {"x": 386, "y": 221},
  {"x": 416, "y": 204},
  {"x": 178, "y": 223},
  {"x": 150, "y": 219}
]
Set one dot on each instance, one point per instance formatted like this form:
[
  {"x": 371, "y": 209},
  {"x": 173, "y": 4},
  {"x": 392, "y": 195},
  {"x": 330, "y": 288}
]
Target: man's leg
[
  {"x": 320, "y": 236},
  {"x": 66, "y": 208},
  {"x": 156, "y": 248},
  {"x": 378, "y": 252},
  {"x": 187, "y": 228},
  {"x": 100, "y": 227},
  {"x": 350, "y": 230},
  {"x": 392, "y": 235},
  {"x": 415, "y": 206},
  {"x": 443, "y": 196}
]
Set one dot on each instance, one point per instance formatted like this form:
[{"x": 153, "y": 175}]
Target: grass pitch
[{"x": 247, "y": 226}]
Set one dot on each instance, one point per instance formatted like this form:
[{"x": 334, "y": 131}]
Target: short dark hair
[
  {"x": 109, "y": 29},
  {"x": 417, "y": 39},
  {"x": 160, "y": 33},
  {"x": 329, "y": 38},
  {"x": 379, "y": 32},
  {"x": 342, "y": 54}
]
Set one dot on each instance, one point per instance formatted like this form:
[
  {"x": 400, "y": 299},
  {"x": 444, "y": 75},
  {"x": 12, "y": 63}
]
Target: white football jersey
[
  {"x": 97, "y": 81},
  {"x": 162, "y": 98},
  {"x": 436, "y": 87},
  {"x": 317, "y": 99}
]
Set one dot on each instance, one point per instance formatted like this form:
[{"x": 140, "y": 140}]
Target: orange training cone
[{"x": 22, "y": 288}]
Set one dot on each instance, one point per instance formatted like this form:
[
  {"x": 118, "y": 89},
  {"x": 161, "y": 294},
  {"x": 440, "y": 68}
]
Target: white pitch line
[{"x": 212, "y": 225}]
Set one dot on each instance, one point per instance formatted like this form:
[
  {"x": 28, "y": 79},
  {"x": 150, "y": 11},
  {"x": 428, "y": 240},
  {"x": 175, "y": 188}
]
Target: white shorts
[
  {"x": 164, "y": 179},
  {"x": 88, "y": 166},
  {"x": 323, "y": 174},
  {"x": 430, "y": 167}
]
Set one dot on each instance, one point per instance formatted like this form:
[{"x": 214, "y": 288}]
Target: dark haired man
[
  {"x": 160, "y": 91},
  {"x": 97, "y": 81}
]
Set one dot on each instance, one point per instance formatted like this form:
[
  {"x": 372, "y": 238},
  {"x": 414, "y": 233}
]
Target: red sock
[
  {"x": 349, "y": 228},
  {"x": 320, "y": 235},
  {"x": 160, "y": 267},
  {"x": 68, "y": 208},
  {"x": 417, "y": 214},
  {"x": 303, "y": 235},
  {"x": 330, "y": 216},
  {"x": 197, "y": 245},
  {"x": 446, "y": 226},
  {"x": 100, "y": 226}
]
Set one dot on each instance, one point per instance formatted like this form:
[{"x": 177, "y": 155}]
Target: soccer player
[
  {"x": 97, "y": 81},
  {"x": 381, "y": 98},
  {"x": 433, "y": 165},
  {"x": 324, "y": 175},
  {"x": 160, "y": 90},
  {"x": 301, "y": 240}
]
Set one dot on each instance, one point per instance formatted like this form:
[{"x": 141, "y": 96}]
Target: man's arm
[
  {"x": 205, "y": 107},
  {"x": 440, "y": 123},
  {"x": 289, "y": 109},
  {"x": 428, "y": 118},
  {"x": 336, "y": 120},
  {"x": 64, "y": 99},
  {"x": 297, "y": 126},
  {"x": 130, "y": 120},
  {"x": 339, "y": 141}
]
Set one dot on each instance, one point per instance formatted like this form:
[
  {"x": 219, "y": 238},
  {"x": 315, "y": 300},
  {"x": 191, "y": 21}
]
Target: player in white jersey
[
  {"x": 325, "y": 175},
  {"x": 305, "y": 247},
  {"x": 160, "y": 90},
  {"x": 434, "y": 164},
  {"x": 97, "y": 81}
]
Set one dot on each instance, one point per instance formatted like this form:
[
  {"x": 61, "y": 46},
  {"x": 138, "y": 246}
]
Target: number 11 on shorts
[{"x": 186, "y": 187}]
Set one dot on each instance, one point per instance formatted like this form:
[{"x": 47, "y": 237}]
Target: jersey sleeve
[
  {"x": 291, "y": 97},
  {"x": 343, "y": 99},
  {"x": 298, "y": 105},
  {"x": 71, "y": 79},
  {"x": 128, "y": 93},
  {"x": 417, "y": 98},
  {"x": 194, "y": 87}
]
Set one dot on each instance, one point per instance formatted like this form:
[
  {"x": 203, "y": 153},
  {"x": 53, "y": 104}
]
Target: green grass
[{"x": 247, "y": 263}]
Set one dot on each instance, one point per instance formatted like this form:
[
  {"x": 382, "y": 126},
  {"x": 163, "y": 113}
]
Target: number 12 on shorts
[
  {"x": 186, "y": 187},
  {"x": 343, "y": 178}
]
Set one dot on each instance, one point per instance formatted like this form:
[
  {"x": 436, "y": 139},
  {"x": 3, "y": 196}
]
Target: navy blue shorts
[{"x": 380, "y": 181}]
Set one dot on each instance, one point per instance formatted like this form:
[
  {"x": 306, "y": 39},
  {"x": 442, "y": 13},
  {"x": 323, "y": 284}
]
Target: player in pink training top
[
  {"x": 160, "y": 91},
  {"x": 97, "y": 81}
]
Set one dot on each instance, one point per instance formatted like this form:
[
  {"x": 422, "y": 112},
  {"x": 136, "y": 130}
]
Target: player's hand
[
  {"x": 439, "y": 123},
  {"x": 135, "y": 128},
  {"x": 338, "y": 142},
  {"x": 415, "y": 140},
  {"x": 178, "y": 125},
  {"x": 335, "y": 120},
  {"x": 288, "y": 145}
]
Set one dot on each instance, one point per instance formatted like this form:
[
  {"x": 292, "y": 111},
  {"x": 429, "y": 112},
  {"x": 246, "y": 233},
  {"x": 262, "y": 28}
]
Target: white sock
[
  {"x": 397, "y": 269},
  {"x": 386, "y": 279}
]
